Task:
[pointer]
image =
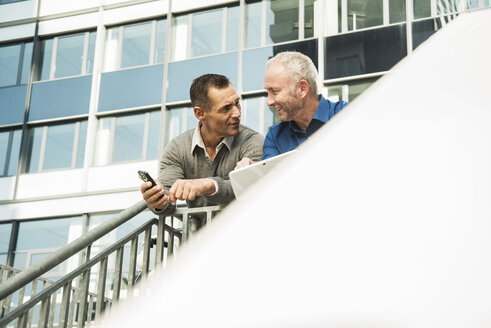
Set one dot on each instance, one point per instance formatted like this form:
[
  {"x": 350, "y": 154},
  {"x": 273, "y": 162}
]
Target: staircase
[{"x": 80, "y": 297}]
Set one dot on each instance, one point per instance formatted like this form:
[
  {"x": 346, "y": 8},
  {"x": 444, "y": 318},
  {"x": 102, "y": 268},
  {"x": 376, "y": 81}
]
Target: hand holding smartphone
[{"x": 146, "y": 177}]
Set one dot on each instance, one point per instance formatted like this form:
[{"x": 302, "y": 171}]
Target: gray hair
[{"x": 298, "y": 67}]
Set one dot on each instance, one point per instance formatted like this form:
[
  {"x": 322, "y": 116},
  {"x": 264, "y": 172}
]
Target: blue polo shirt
[{"x": 286, "y": 136}]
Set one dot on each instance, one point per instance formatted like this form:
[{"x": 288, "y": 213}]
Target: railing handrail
[
  {"x": 23, "y": 278},
  {"x": 75, "y": 273}
]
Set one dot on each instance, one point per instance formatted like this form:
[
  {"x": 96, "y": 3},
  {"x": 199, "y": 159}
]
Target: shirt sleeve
[
  {"x": 270, "y": 149},
  {"x": 170, "y": 169}
]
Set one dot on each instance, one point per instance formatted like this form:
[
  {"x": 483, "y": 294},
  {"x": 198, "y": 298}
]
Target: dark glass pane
[
  {"x": 254, "y": 61},
  {"x": 12, "y": 104},
  {"x": 136, "y": 45},
  {"x": 233, "y": 18},
  {"x": 160, "y": 37},
  {"x": 357, "y": 88},
  {"x": 81, "y": 144},
  {"x": 397, "y": 11},
  {"x": 364, "y": 13},
  {"x": 253, "y": 30},
  {"x": 309, "y": 18},
  {"x": 422, "y": 8},
  {"x": 59, "y": 146},
  {"x": 281, "y": 21},
  {"x": 26, "y": 63},
  {"x": 207, "y": 33},
  {"x": 69, "y": 55},
  {"x": 46, "y": 53},
  {"x": 182, "y": 73},
  {"x": 91, "y": 52},
  {"x": 51, "y": 233},
  {"x": 422, "y": 30},
  {"x": 128, "y": 138},
  {"x": 14, "y": 153},
  {"x": 4, "y": 146},
  {"x": 35, "y": 140},
  {"x": 131, "y": 88},
  {"x": 66, "y": 97},
  {"x": 9, "y": 64},
  {"x": 153, "y": 135},
  {"x": 364, "y": 52}
]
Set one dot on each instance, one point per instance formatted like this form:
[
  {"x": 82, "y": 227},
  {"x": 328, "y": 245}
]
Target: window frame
[
  {"x": 42, "y": 152},
  {"x": 188, "y": 17},
  {"x": 20, "y": 64},
  {"x": 119, "y": 51},
  {"x": 54, "y": 53},
  {"x": 108, "y": 159},
  {"x": 8, "y": 156}
]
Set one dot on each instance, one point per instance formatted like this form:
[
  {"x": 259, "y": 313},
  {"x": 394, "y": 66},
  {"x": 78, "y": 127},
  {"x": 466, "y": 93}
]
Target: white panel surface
[
  {"x": 7, "y": 186},
  {"x": 135, "y": 12},
  {"x": 17, "y": 11},
  {"x": 185, "y": 5},
  {"x": 382, "y": 219},
  {"x": 45, "y": 184},
  {"x": 53, "y": 7},
  {"x": 119, "y": 176},
  {"x": 75, "y": 205},
  {"x": 67, "y": 24},
  {"x": 17, "y": 32}
]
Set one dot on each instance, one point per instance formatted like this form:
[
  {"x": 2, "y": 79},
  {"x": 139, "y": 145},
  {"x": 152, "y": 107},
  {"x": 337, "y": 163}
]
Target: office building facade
[{"x": 91, "y": 91}]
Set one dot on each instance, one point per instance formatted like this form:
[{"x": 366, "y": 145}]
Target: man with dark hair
[{"x": 195, "y": 165}]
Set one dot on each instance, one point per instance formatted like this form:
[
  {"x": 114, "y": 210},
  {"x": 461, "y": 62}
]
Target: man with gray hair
[{"x": 291, "y": 83}]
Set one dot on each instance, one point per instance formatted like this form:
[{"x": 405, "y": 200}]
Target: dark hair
[{"x": 200, "y": 86}]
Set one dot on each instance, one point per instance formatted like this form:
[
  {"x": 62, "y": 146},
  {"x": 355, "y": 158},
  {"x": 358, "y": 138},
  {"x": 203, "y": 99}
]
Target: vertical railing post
[
  {"x": 65, "y": 305},
  {"x": 159, "y": 252},
  {"x": 101, "y": 287},
  {"x": 146, "y": 251},
  {"x": 118, "y": 274},
  {"x": 44, "y": 313}
]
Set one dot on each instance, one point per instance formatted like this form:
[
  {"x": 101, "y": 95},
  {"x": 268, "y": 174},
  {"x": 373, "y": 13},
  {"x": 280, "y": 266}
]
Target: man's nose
[
  {"x": 236, "y": 112},
  {"x": 270, "y": 101}
]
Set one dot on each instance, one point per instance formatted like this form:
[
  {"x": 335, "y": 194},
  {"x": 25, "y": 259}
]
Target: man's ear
[
  {"x": 303, "y": 87},
  {"x": 199, "y": 113}
]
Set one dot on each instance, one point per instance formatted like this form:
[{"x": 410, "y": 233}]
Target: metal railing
[{"x": 68, "y": 302}]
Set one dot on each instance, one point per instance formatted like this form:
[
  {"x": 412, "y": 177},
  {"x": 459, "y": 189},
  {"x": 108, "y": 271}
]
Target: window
[
  {"x": 364, "y": 13},
  {"x": 205, "y": 33},
  {"x": 180, "y": 120},
  {"x": 9, "y": 152},
  {"x": 281, "y": 19},
  {"x": 56, "y": 146},
  {"x": 5, "y": 231},
  {"x": 135, "y": 45},
  {"x": 38, "y": 239},
  {"x": 15, "y": 64},
  {"x": 257, "y": 115},
  {"x": 69, "y": 55},
  {"x": 128, "y": 138},
  {"x": 348, "y": 91},
  {"x": 369, "y": 51}
]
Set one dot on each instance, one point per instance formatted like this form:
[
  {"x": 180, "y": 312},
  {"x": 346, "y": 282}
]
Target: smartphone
[{"x": 146, "y": 177}]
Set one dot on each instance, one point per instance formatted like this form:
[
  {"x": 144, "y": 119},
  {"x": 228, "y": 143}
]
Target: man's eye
[{"x": 237, "y": 103}]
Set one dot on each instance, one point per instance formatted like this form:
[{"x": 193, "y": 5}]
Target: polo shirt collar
[
  {"x": 198, "y": 141},
  {"x": 321, "y": 114}
]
